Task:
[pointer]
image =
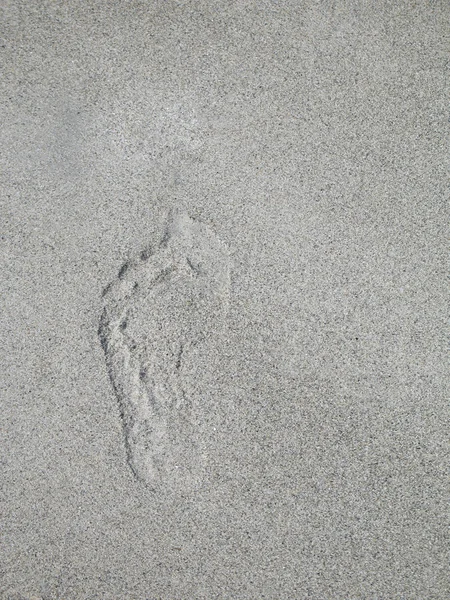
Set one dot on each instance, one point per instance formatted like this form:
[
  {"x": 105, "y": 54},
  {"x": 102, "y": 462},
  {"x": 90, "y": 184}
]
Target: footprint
[{"x": 157, "y": 313}]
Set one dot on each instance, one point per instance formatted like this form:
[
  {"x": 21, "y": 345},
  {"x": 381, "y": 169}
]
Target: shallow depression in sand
[{"x": 158, "y": 309}]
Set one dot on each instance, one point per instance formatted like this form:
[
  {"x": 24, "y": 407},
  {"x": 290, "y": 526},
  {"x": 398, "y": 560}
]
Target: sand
[{"x": 263, "y": 416}]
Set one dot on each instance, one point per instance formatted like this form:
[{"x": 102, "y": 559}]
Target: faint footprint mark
[{"x": 160, "y": 307}]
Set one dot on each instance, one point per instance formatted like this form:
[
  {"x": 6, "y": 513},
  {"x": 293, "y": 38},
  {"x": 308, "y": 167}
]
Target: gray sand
[{"x": 267, "y": 419}]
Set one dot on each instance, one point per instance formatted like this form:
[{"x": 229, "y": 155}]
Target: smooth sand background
[{"x": 311, "y": 137}]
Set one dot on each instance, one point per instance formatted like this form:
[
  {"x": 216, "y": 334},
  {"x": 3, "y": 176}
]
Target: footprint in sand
[{"x": 161, "y": 307}]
